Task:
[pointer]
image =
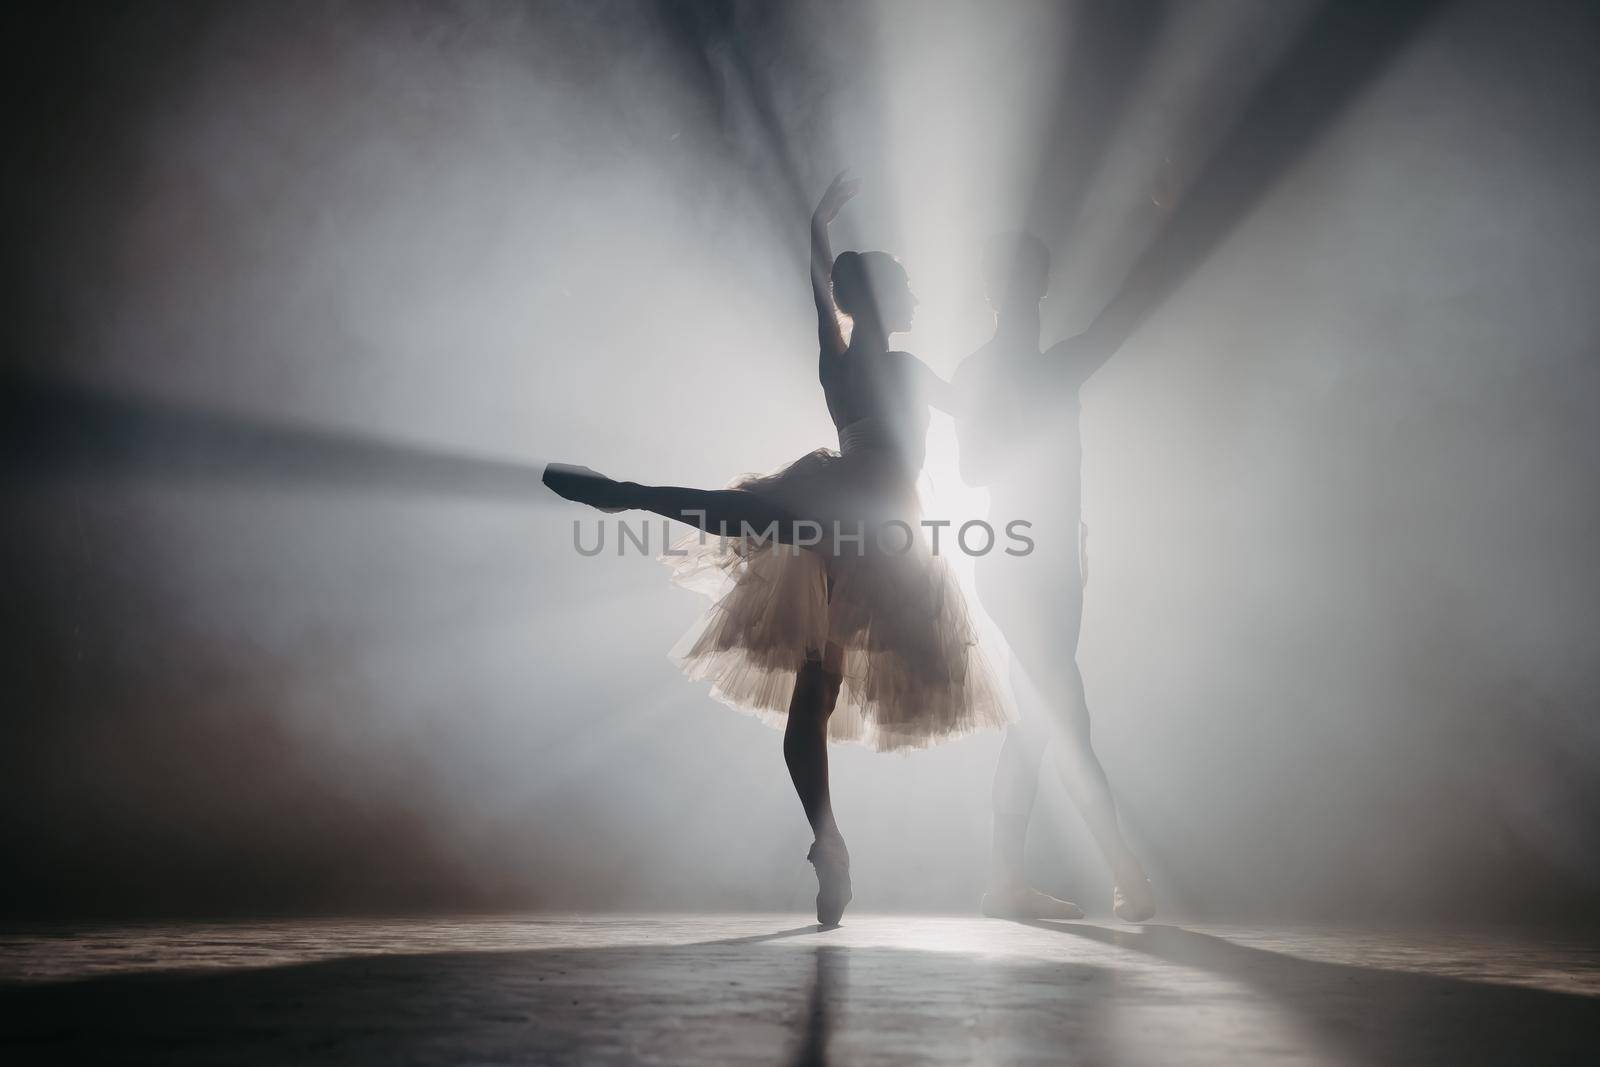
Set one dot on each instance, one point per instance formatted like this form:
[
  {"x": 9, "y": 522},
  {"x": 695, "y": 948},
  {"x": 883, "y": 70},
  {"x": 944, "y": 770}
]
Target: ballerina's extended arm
[{"x": 830, "y": 339}]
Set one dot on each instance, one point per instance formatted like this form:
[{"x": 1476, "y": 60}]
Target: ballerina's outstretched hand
[{"x": 840, "y": 192}]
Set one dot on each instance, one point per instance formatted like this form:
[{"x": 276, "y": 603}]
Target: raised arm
[
  {"x": 830, "y": 340},
  {"x": 1073, "y": 360}
]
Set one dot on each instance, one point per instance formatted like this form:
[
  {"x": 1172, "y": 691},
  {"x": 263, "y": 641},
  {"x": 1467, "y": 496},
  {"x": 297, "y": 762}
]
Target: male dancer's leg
[
  {"x": 1039, "y": 611},
  {"x": 1016, "y": 785},
  {"x": 1003, "y": 586},
  {"x": 1046, "y": 652},
  {"x": 1059, "y": 684}
]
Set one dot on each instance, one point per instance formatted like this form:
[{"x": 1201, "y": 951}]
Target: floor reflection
[
  {"x": 758, "y": 989},
  {"x": 1377, "y": 1015},
  {"x": 827, "y": 989}
]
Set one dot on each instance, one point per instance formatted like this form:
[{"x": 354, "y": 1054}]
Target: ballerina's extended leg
[{"x": 716, "y": 511}]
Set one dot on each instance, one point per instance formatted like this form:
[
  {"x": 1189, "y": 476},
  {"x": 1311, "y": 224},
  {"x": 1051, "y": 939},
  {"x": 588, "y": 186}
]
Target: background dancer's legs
[
  {"x": 1039, "y": 624},
  {"x": 1086, "y": 782},
  {"x": 805, "y": 750},
  {"x": 1016, "y": 785}
]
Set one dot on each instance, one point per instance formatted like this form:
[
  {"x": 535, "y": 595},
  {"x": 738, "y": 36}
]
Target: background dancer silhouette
[{"x": 1018, "y": 434}]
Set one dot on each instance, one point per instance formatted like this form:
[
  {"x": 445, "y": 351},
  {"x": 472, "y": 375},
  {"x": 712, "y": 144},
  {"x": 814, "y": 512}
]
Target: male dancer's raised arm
[{"x": 1073, "y": 360}]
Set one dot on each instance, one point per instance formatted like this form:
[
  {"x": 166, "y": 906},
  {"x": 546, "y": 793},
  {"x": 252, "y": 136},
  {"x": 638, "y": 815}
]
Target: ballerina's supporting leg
[
  {"x": 716, "y": 511},
  {"x": 805, "y": 744},
  {"x": 805, "y": 750}
]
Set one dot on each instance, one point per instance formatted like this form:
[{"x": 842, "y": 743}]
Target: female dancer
[{"x": 865, "y": 616}]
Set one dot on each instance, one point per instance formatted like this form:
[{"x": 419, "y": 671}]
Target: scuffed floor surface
[{"x": 775, "y": 990}]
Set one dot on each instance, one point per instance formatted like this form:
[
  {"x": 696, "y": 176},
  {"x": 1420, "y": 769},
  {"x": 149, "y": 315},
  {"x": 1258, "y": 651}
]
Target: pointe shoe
[
  {"x": 1133, "y": 901},
  {"x": 1025, "y": 902},
  {"x": 585, "y": 486},
  {"x": 832, "y": 861}
]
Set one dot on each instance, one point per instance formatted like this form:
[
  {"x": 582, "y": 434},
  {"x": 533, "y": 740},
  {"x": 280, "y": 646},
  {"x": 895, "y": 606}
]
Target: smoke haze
[{"x": 1340, "y": 640}]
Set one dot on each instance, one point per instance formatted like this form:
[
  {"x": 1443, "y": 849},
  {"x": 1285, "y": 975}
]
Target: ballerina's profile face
[
  {"x": 872, "y": 287},
  {"x": 898, "y": 306}
]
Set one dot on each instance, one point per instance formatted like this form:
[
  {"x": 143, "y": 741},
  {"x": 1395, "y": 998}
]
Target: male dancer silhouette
[{"x": 1018, "y": 434}]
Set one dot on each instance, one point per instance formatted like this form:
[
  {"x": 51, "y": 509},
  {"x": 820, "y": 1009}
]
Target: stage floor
[{"x": 775, "y": 989}]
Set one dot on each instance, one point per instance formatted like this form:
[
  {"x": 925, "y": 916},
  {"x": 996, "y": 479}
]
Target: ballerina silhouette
[
  {"x": 1018, "y": 434},
  {"x": 864, "y": 634}
]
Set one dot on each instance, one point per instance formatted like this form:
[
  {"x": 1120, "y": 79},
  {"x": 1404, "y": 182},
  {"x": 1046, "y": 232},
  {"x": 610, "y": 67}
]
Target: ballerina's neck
[{"x": 867, "y": 341}]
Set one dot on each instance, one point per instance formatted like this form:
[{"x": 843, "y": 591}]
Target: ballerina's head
[{"x": 872, "y": 288}]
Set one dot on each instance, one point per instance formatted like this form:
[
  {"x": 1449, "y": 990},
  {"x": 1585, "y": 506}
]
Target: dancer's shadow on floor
[
  {"x": 1376, "y": 1015},
  {"x": 776, "y": 935},
  {"x": 826, "y": 991}
]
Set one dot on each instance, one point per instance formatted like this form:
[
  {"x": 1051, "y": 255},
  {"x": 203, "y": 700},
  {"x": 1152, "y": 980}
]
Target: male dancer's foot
[
  {"x": 586, "y": 486},
  {"x": 1132, "y": 899},
  {"x": 832, "y": 861},
  {"x": 1025, "y": 902},
  {"x": 1010, "y": 896}
]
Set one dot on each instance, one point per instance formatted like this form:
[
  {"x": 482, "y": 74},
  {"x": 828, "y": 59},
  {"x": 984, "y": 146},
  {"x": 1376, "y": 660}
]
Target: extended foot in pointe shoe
[
  {"x": 585, "y": 486},
  {"x": 1024, "y": 902},
  {"x": 1133, "y": 901},
  {"x": 832, "y": 861}
]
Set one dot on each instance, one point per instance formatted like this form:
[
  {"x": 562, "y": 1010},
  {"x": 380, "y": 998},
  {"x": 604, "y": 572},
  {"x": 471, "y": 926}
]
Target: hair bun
[{"x": 849, "y": 278}]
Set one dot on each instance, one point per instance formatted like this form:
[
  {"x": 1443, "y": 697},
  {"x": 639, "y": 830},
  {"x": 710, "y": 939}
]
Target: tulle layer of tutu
[{"x": 913, "y": 671}]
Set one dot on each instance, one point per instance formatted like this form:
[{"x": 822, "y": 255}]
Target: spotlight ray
[
  {"x": 1342, "y": 49},
  {"x": 57, "y": 430}
]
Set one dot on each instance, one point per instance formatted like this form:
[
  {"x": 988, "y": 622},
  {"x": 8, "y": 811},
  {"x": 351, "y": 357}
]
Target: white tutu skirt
[{"x": 913, "y": 671}]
